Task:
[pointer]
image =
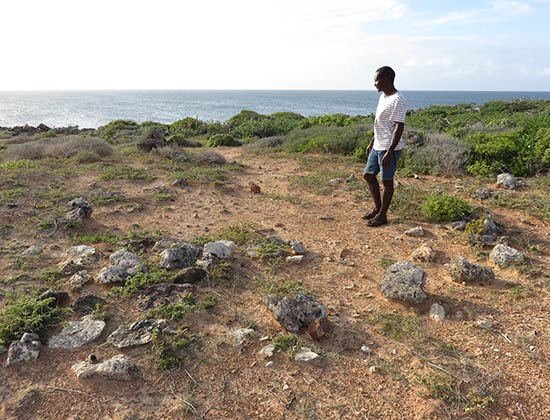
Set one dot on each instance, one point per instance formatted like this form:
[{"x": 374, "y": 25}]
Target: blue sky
[{"x": 274, "y": 44}]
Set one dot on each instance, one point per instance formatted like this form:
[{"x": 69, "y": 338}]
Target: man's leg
[
  {"x": 374, "y": 189},
  {"x": 387, "y": 195}
]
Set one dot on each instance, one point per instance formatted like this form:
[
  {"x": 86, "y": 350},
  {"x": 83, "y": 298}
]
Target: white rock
[
  {"x": 416, "y": 231},
  {"x": 437, "y": 312},
  {"x": 367, "y": 350},
  {"x": 32, "y": 250},
  {"x": 268, "y": 350},
  {"x": 484, "y": 323},
  {"x": 305, "y": 355},
  {"x": 295, "y": 259},
  {"x": 220, "y": 249},
  {"x": 373, "y": 369},
  {"x": 28, "y": 348},
  {"x": 270, "y": 364},
  {"x": 240, "y": 334},
  {"x": 118, "y": 367}
]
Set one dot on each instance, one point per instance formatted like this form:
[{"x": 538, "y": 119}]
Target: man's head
[{"x": 383, "y": 79}]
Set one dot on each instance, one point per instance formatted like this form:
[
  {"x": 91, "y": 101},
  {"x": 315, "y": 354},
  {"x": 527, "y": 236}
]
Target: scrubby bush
[
  {"x": 444, "y": 208},
  {"x": 189, "y": 126},
  {"x": 208, "y": 157},
  {"x": 115, "y": 130},
  {"x": 90, "y": 148},
  {"x": 436, "y": 153},
  {"x": 147, "y": 126},
  {"x": 542, "y": 144},
  {"x": 337, "y": 140},
  {"x": 26, "y": 314},
  {"x": 218, "y": 140},
  {"x": 243, "y": 117},
  {"x": 332, "y": 120}
]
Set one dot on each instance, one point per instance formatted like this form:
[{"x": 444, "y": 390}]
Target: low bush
[
  {"x": 114, "y": 129},
  {"x": 26, "y": 314},
  {"x": 445, "y": 208},
  {"x": 218, "y": 140},
  {"x": 189, "y": 126},
  {"x": 89, "y": 148}
]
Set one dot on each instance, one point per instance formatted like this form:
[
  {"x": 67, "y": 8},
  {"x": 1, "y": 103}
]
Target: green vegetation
[
  {"x": 124, "y": 172},
  {"x": 397, "y": 327},
  {"x": 218, "y": 140},
  {"x": 176, "y": 311},
  {"x": 140, "y": 279},
  {"x": 168, "y": 352},
  {"x": 288, "y": 343},
  {"x": 444, "y": 208},
  {"x": 25, "y": 313}
]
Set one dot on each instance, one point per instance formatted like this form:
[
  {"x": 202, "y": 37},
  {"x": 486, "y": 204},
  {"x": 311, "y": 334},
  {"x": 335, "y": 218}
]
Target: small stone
[
  {"x": 336, "y": 181},
  {"x": 138, "y": 333},
  {"x": 28, "y": 348},
  {"x": 294, "y": 259},
  {"x": 532, "y": 348},
  {"x": 416, "y": 231},
  {"x": 78, "y": 280},
  {"x": 81, "y": 204},
  {"x": 77, "y": 257},
  {"x": 507, "y": 180},
  {"x": 373, "y": 369},
  {"x": 32, "y": 251},
  {"x": 77, "y": 333},
  {"x": 241, "y": 334},
  {"x": 296, "y": 312},
  {"x": 484, "y": 323},
  {"x": 437, "y": 312},
  {"x": 423, "y": 253},
  {"x": 181, "y": 256},
  {"x": 504, "y": 256},
  {"x": 219, "y": 249},
  {"x": 270, "y": 364},
  {"x": 286, "y": 387},
  {"x": 461, "y": 270},
  {"x": 305, "y": 355},
  {"x": 405, "y": 281},
  {"x": 118, "y": 367},
  {"x": 366, "y": 350},
  {"x": 268, "y": 350},
  {"x": 254, "y": 188}
]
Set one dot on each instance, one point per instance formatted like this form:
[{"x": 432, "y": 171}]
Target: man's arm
[
  {"x": 369, "y": 147},
  {"x": 396, "y": 136}
]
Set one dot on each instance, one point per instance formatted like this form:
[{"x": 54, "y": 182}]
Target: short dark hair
[{"x": 386, "y": 72}]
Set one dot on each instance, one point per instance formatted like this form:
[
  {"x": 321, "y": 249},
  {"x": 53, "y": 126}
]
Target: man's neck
[{"x": 390, "y": 91}]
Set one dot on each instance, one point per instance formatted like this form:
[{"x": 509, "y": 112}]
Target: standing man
[{"x": 385, "y": 147}]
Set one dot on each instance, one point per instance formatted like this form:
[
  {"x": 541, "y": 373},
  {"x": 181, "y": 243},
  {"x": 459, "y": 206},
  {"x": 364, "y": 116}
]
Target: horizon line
[{"x": 253, "y": 90}]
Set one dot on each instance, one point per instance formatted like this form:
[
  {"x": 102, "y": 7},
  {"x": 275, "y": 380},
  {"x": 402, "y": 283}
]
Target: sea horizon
[{"x": 93, "y": 108}]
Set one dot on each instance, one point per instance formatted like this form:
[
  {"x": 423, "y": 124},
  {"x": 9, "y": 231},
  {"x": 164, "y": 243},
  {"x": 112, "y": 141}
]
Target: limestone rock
[
  {"x": 241, "y": 334},
  {"x": 181, "y": 256},
  {"x": 437, "y": 312},
  {"x": 81, "y": 204},
  {"x": 220, "y": 249},
  {"x": 405, "y": 281},
  {"x": 138, "y": 333},
  {"x": 415, "y": 231},
  {"x": 504, "y": 256},
  {"x": 32, "y": 251},
  {"x": 78, "y": 333},
  {"x": 295, "y": 259},
  {"x": 78, "y": 257},
  {"x": 118, "y": 367},
  {"x": 305, "y": 355},
  {"x": 462, "y": 270},
  {"x": 507, "y": 180},
  {"x": 126, "y": 260},
  {"x": 296, "y": 313},
  {"x": 78, "y": 280},
  {"x": 112, "y": 275},
  {"x": 268, "y": 350},
  {"x": 423, "y": 253},
  {"x": 28, "y": 348}
]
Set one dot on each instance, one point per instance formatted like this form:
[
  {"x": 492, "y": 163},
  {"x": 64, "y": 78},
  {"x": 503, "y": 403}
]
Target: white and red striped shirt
[{"x": 391, "y": 109}]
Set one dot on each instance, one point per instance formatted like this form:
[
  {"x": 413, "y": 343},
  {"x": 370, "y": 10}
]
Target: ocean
[{"x": 91, "y": 109}]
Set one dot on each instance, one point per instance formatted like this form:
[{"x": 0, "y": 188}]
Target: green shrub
[
  {"x": 112, "y": 130},
  {"x": 218, "y": 140},
  {"x": 337, "y": 140},
  {"x": 188, "y": 126},
  {"x": 87, "y": 149},
  {"x": 243, "y": 117},
  {"x": 26, "y": 314},
  {"x": 542, "y": 144},
  {"x": 123, "y": 172},
  {"x": 444, "y": 208}
]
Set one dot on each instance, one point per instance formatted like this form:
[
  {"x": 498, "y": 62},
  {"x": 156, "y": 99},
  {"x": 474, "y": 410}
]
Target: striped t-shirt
[{"x": 391, "y": 110}]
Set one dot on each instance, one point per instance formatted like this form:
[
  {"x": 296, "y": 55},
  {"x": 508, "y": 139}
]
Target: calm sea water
[{"x": 94, "y": 108}]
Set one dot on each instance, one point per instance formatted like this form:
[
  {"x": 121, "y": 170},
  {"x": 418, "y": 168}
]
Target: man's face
[{"x": 380, "y": 82}]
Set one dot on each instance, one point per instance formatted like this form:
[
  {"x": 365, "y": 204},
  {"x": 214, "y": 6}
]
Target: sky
[{"x": 274, "y": 44}]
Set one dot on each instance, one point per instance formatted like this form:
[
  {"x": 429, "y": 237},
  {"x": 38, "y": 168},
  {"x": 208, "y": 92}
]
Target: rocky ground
[{"x": 336, "y": 331}]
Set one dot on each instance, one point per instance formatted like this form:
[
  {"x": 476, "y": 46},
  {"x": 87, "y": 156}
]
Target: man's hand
[
  {"x": 369, "y": 148},
  {"x": 386, "y": 160}
]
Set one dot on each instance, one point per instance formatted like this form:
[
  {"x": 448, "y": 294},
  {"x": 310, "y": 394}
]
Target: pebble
[
  {"x": 484, "y": 323},
  {"x": 367, "y": 350},
  {"x": 270, "y": 364},
  {"x": 437, "y": 312},
  {"x": 373, "y": 369}
]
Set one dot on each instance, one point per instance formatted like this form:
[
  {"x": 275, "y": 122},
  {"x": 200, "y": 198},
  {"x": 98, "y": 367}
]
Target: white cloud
[
  {"x": 546, "y": 70},
  {"x": 512, "y": 7}
]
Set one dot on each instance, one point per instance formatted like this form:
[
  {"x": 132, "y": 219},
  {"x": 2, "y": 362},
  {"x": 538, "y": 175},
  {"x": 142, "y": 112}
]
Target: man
[{"x": 385, "y": 147}]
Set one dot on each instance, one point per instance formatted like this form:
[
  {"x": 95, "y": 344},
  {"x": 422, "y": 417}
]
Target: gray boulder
[
  {"x": 462, "y": 270},
  {"x": 112, "y": 275},
  {"x": 80, "y": 206},
  {"x": 118, "y": 367},
  {"x": 78, "y": 333},
  {"x": 179, "y": 257},
  {"x": 220, "y": 249},
  {"x": 504, "y": 256},
  {"x": 32, "y": 251},
  {"x": 296, "y": 313},
  {"x": 507, "y": 180},
  {"x": 415, "y": 231},
  {"x": 28, "y": 348},
  {"x": 126, "y": 260},
  {"x": 138, "y": 333},
  {"x": 78, "y": 257},
  {"x": 405, "y": 281},
  {"x": 78, "y": 280},
  {"x": 305, "y": 355}
]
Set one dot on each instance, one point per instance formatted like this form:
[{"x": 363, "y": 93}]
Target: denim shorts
[{"x": 374, "y": 164}]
